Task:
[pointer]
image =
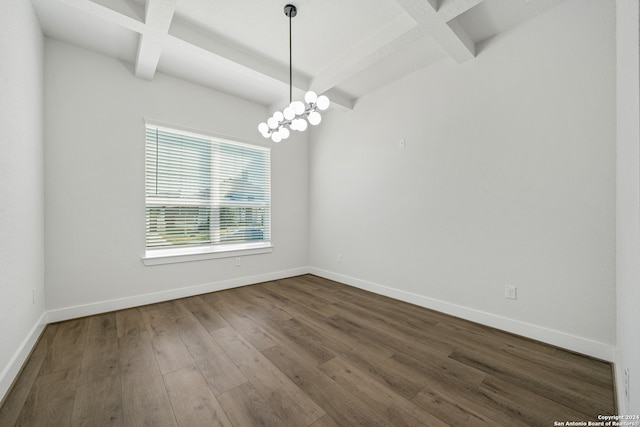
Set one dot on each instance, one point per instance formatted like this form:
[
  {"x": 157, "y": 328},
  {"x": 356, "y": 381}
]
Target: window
[{"x": 204, "y": 194}]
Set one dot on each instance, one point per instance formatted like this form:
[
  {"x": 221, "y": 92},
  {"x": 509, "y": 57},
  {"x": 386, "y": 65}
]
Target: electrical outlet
[
  {"x": 401, "y": 144},
  {"x": 626, "y": 383},
  {"x": 511, "y": 292},
  {"x": 238, "y": 262}
]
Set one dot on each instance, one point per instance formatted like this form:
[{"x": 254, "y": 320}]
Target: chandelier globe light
[{"x": 298, "y": 115}]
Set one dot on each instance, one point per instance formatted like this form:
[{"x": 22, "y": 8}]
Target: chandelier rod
[{"x": 290, "y": 14}]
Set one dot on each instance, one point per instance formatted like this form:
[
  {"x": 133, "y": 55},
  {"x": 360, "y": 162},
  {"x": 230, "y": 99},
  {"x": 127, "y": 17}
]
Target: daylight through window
[{"x": 205, "y": 191}]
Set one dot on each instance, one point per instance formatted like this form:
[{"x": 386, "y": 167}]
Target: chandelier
[{"x": 279, "y": 126}]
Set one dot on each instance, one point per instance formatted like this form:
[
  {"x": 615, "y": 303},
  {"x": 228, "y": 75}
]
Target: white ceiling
[{"x": 345, "y": 48}]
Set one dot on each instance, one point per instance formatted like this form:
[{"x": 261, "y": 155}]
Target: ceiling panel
[
  {"x": 492, "y": 17},
  {"x": 191, "y": 63},
  {"x": 321, "y": 30},
  {"x": 419, "y": 54},
  {"x": 63, "y": 22}
]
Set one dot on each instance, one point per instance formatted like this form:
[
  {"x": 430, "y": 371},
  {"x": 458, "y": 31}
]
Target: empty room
[{"x": 319, "y": 213}]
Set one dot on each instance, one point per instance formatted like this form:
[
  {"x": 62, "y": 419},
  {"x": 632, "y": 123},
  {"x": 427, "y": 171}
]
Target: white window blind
[{"x": 204, "y": 191}]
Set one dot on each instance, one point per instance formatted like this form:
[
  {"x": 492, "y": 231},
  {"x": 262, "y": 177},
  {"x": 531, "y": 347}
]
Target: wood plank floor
[{"x": 303, "y": 351}]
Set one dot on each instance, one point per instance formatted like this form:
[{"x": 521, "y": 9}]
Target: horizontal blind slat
[{"x": 202, "y": 191}]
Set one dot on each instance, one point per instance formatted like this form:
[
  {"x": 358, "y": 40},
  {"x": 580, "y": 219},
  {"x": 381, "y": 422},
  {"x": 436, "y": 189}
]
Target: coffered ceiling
[{"x": 345, "y": 48}]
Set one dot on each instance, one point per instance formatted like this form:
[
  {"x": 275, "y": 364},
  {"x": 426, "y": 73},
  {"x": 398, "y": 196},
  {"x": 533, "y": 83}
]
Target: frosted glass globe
[
  {"x": 323, "y": 102},
  {"x": 276, "y": 137},
  {"x": 288, "y": 113},
  {"x": 310, "y": 97},
  {"x": 272, "y": 122},
  {"x": 298, "y": 107},
  {"x": 284, "y": 133},
  {"x": 263, "y": 128},
  {"x": 278, "y": 116},
  {"x": 315, "y": 118},
  {"x": 302, "y": 125}
]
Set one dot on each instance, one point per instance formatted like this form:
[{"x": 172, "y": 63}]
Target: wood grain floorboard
[
  {"x": 335, "y": 336},
  {"x": 101, "y": 354},
  {"x": 396, "y": 409},
  {"x": 215, "y": 366},
  {"x": 50, "y": 401},
  {"x": 567, "y": 391},
  {"x": 246, "y": 407},
  {"x": 282, "y": 394},
  {"x": 529, "y": 407},
  {"x": 268, "y": 321},
  {"x": 210, "y": 318},
  {"x": 403, "y": 380},
  {"x": 144, "y": 396},
  {"x": 67, "y": 347},
  {"x": 238, "y": 316},
  {"x": 303, "y": 351},
  {"x": 169, "y": 349},
  {"x": 345, "y": 408},
  {"x": 325, "y": 421},
  {"x": 99, "y": 403},
  {"x": 460, "y": 406},
  {"x": 192, "y": 400}
]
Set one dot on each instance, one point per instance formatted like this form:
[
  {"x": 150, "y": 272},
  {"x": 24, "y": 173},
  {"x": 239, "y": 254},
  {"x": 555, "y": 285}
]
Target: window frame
[{"x": 198, "y": 252}]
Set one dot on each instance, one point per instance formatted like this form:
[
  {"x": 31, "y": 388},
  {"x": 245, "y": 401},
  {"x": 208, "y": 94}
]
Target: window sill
[{"x": 172, "y": 256}]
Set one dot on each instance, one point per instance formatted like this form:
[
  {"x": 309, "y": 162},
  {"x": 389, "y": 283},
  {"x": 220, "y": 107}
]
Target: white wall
[
  {"x": 628, "y": 205},
  {"x": 94, "y": 167},
  {"x": 507, "y": 178},
  {"x": 21, "y": 186}
]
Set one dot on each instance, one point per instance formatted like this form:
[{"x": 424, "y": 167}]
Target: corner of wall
[
  {"x": 627, "y": 353},
  {"x": 22, "y": 190}
]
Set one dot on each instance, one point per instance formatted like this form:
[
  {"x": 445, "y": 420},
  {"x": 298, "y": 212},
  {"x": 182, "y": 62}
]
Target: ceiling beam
[
  {"x": 339, "y": 100},
  {"x": 444, "y": 29},
  {"x": 158, "y": 17}
]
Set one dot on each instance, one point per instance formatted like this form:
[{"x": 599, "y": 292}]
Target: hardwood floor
[{"x": 298, "y": 352}]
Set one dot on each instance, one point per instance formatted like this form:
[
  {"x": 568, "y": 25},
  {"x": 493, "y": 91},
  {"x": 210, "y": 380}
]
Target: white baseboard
[
  {"x": 67, "y": 313},
  {"x": 11, "y": 371},
  {"x": 570, "y": 342}
]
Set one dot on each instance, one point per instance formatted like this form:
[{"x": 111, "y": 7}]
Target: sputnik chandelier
[{"x": 279, "y": 126}]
